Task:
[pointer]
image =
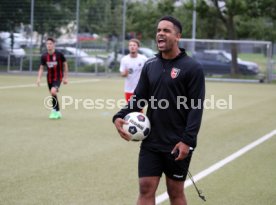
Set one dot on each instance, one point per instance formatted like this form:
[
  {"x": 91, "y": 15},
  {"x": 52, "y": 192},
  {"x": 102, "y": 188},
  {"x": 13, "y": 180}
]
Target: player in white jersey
[{"x": 131, "y": 66}]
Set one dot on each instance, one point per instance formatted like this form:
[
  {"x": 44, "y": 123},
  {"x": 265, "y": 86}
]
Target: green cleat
[
  {"x": 53, "y": 114},
  {"x": 58, "y": 115}
]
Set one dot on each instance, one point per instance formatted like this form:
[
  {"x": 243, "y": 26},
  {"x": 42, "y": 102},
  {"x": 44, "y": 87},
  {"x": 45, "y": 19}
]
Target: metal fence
[
  {"x": 97, "y": 30},
  {"x": 254, "y": 58},
  {"x": 23, "y": 43}
]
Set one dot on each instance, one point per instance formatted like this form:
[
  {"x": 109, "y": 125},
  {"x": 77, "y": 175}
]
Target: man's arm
[
  {"x": 40, "y": 72},
  {"x": 196, "y": 95},
  {"x": 124, "y": 73},
  {"x": 123, "y": 69}
]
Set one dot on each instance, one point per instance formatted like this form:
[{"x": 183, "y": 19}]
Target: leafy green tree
[
  {"x": 165, "y": 7},
  {"x": 141, "y": 20},
  {"x": 142, "y": 17},
  {"x": 49, "y": 15},
  {"x": 259, "y": 22},
  {"x": 208, "y": 25},
  {"x": 12, "y": 13},
  {"x": 226, "y": 11},
  {"x": 262, "y": 8},
  {"x": 94, "y": 16}
]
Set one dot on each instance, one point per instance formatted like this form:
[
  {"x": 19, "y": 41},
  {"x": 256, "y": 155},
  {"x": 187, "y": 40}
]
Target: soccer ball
[{"x": 138, "y": 126}]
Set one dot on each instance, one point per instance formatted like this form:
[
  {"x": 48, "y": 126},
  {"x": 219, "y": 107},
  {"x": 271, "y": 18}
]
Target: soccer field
[{"x": 81, "y": 160}]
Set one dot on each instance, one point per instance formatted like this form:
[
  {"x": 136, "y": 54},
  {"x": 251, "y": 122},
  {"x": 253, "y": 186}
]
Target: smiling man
[{"x": 168, "y": 149}]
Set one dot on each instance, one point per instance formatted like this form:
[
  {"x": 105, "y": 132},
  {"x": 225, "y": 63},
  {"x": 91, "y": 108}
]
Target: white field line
[
  {"x": 44, "y": 84},
  {"x": 163, "y": 197}
]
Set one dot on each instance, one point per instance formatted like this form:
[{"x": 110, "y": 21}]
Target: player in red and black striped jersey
[{"x": 57, "y": 72}]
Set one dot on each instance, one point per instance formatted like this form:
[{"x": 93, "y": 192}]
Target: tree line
[{"x": 229, "y": 19}]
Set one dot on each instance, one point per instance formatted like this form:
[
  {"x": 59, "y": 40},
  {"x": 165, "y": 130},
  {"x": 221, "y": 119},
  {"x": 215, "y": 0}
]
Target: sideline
[
  {"x": 163, "y": 197},
  {"x": 44, "y": 84}
]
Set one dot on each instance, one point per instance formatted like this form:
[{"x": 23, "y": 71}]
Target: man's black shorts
[
  {"x": 155, "y": 163},
  {"x": 54, "y": 84}
]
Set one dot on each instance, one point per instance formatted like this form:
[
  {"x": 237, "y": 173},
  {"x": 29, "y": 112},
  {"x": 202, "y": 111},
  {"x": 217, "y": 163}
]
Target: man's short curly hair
[
  {"x": 51, "y": 39},
  {"x": 174, "y": 21}
]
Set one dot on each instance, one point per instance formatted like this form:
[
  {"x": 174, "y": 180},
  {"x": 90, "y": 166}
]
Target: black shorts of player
[
  {"x": 54, "y": 84},
  {"x": 155, "y": 163}
]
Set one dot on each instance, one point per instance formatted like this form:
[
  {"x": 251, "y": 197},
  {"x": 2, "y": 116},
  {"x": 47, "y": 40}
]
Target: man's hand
[
  {"x": 182, "y": 150},
  {"x": 119, "y": 126},
  {"x": 124, "y": 73},
  {"x": 40, "y": 72},
  {"x": 38, "y": 82},
  {"x": 65, "y": 80}
]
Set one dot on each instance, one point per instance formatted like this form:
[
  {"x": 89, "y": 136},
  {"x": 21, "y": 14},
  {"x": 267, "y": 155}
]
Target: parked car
[
  {"x": 149, "y": 53},
  {"x": 87, "y": 36},
  {"x": 16, "y": 54},
  {"x": 220, "y": 62},
  {"x": 83, "y": 57}
]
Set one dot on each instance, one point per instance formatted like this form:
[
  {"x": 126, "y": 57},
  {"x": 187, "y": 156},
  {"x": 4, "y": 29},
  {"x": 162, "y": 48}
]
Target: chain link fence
[
  {"x": 255, "y": 61},
  {"x": 85, "y": 33},
  {"x": 90, "y": 36}
]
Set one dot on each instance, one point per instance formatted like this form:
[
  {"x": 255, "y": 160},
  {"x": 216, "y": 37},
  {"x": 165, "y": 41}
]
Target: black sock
[{"x": 55, "y": 102}]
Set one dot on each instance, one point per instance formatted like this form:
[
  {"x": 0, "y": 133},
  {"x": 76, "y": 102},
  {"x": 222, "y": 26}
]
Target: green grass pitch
[{"x": 81, "y": 160}]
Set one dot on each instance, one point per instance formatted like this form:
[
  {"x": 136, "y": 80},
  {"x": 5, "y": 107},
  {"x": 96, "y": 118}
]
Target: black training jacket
[{"x": 174, "y": 90}]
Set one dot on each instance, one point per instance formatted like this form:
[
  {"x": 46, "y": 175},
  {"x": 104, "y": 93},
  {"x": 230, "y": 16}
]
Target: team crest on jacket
[{"x": 175, "y": 72}]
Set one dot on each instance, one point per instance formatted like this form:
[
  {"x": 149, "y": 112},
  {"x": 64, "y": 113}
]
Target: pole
[
  {"x": 77, "y": 32},
  {"x": 124, "y": 27},
  {"x": 32, "y": 29},
  {"x": 269, "y": 62},
  {"x": 194, "y": 27}
]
